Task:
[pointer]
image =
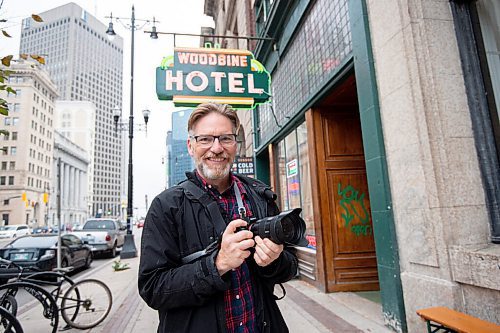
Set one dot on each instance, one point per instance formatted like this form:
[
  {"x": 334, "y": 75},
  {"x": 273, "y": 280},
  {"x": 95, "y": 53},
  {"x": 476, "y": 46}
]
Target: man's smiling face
[{"x": 213, "y": 162}]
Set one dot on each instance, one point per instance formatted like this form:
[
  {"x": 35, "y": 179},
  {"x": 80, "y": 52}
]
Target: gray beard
[{"x": 213, "y": 174}]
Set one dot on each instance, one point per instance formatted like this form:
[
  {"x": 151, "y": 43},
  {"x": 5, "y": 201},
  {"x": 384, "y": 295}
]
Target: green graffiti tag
[
  {"x": 361, "y": 229},
  {"x": 350, "y": 196}
]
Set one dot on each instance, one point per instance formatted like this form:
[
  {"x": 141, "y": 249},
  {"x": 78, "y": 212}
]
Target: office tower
[
  {"x": 180, "y": 160},
  {"x": 166, "y": 161},
  {"x": 85, "y": 66},
  {"x": 26, "y": 152}
]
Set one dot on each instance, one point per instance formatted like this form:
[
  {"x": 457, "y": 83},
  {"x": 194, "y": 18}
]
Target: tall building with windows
[
  {"x": 179, "y": 159},
  {"x": 26, "y": 152},
  {"x": 85, "y": 66}
]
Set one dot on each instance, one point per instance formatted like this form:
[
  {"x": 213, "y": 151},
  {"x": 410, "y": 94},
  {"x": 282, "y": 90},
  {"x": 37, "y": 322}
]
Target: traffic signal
[
  {"x": 45, "y": 197},
  {"x": 23, "y": 196}
]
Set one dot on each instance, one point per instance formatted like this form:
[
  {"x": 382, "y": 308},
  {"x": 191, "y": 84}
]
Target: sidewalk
[{"x": 304, "y": 308}]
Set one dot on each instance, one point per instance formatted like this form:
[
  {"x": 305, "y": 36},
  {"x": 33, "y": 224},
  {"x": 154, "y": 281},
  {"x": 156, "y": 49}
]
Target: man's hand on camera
[
  {"x": 266, "y": 251},
  {"x": 234, "y": 248}
]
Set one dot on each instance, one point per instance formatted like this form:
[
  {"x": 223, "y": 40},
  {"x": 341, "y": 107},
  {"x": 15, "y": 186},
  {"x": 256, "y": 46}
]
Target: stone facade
[
  {"x": 439, "y": 203},
  {"x": 29, "y": 147}
]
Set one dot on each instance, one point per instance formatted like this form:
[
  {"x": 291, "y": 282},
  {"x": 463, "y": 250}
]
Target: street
[{"x": 25, "y": 301}]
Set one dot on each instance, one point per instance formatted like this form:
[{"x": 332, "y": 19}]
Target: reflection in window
[
  {"x": 294, "y": 175},
  {"x": 305, "y": 182},
  {"x": 292, "y": 170},
  {"x": 488, "y": 12},
  {"x": 283, "y": 196}
]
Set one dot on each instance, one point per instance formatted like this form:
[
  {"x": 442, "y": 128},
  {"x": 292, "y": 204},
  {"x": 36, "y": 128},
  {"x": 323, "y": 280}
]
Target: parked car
[
  {"x": 45, "y": 230},
  {"x": 104, "y": 235},
  {"x": 13, "y": 231},
  {"x": 40, "y": 251},
  {"x": 40, "y": 230}
]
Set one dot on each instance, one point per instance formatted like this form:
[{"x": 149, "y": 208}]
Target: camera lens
[
  {"x": 292, "y": 228},
  {"x": 287, "y": 227}
]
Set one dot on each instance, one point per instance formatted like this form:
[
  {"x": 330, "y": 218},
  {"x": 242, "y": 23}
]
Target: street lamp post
[{"x": 129, "y": 250}]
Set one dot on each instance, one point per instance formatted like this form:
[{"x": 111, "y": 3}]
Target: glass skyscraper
[{"x": 180, "y": 161}]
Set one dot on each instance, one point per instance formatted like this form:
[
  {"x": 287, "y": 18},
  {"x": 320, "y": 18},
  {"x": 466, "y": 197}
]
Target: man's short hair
[{"x": 204, "y": 109}]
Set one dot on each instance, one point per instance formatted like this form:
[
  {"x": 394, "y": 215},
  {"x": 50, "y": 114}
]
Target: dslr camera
[{"x": 285, "y": 228}]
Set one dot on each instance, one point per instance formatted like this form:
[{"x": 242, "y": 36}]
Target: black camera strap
[
  {"x": 214, "y": 246},
  {"x": 241, "y": 207}
]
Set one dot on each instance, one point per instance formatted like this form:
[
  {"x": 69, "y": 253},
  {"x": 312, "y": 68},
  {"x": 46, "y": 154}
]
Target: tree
[{"x": 4, "y": 73}]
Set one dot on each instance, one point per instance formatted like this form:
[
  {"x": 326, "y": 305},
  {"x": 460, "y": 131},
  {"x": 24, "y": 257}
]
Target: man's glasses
[{"x": 205, "y": 141}]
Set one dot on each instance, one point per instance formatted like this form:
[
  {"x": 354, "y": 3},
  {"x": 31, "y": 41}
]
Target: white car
[{"x": 13, "y": 231}]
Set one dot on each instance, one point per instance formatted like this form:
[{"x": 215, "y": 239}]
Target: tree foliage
[{"x": 5, "y": 73}]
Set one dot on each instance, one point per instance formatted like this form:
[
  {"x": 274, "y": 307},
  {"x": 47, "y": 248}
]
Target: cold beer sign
[{"x": 193, "y": 76}]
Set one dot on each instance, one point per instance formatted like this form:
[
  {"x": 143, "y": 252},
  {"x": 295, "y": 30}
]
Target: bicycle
[
  {"x": 8, "y": 302},
  {"x": 85, "y": 304},
  {"x": 8, "y": 322}
]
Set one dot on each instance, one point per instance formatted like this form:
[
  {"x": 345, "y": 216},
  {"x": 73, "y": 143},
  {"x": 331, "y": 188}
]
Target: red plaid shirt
[{"x": 239, "y": 299}]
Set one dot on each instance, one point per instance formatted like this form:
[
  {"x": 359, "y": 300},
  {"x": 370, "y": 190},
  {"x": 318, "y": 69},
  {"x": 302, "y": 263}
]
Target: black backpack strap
[
  {"x": 284, "y": 293},
  {"x": 195, "y": 192}
]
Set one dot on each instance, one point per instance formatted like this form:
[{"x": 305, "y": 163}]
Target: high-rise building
[
  {"x": 168, "y": 155},
  {"x": 27, "y": 151},
  {"x": 85, "y": 66},
  {"x": 180, "y": 161}
]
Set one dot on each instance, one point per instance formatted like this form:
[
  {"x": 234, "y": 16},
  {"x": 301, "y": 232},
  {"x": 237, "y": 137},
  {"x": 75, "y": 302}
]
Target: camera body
[{"x": 249, "y": 221}]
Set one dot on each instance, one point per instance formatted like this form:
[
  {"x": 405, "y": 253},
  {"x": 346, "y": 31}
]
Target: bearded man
[{"x": 196, "y": 268}]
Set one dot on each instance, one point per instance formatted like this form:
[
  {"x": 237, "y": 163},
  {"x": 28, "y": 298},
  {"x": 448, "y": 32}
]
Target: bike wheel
[
  {"x": 86, "y": 304},
  {"x": 50, "y": 309},
  {"x": 9, "y": 303},
  {"x": 8, "y": 322}
]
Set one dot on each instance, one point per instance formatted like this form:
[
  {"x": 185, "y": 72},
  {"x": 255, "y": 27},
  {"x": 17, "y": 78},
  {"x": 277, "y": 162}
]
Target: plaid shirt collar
[
  {"x": 227, "y": 200},
  {"x": 211, "y": 189}
]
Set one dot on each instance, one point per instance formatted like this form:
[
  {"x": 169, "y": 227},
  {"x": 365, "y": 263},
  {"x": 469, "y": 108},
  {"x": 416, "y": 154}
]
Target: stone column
[
  {"x": 66, "y": 185},
  {"x": 77, "y": 188}
]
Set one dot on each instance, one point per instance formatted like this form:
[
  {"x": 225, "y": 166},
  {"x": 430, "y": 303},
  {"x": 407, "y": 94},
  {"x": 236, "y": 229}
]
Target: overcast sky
[{"x": 184, "y": 16}]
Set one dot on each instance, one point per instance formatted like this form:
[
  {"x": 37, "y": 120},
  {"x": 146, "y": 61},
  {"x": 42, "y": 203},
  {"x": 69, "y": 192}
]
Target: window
[
  {"x": 4, "y": 165},
  {"x": 15, "y": 120},
  {"x": 7, "y": 121},
  {"x": 488, "y": 11},
  {"x": 11, "y": 180},
  {"x": 12, "y": 165},
  {"x": 261, "y": 14},
  {"x": 14, "y": 136},
  {"x": 293, "y": 177},
  {"x": 479, "y": 48},
  {"x": 13, "y": 151},
  {"x": 5, "y": 219},
  {"x": 2, "y": 180}
]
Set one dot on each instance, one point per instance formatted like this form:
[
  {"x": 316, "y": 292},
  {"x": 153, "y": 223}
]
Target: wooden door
[{"x": 349, "y": 261}]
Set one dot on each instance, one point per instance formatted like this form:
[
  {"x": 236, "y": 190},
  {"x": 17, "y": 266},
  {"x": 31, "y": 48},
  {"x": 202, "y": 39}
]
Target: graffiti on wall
[{"x": 355, "y": 215}]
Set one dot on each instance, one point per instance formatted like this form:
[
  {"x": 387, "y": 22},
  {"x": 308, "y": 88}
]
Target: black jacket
[{"x": 189, "y": 297}]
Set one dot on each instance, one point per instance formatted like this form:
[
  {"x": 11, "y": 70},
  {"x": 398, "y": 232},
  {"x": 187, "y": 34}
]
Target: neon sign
[{"x": 193, "y": 76}]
